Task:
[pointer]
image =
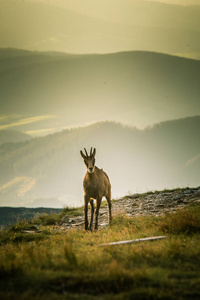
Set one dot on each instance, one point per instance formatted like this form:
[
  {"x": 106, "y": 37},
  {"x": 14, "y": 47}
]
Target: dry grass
[
  {"x": 71, "y": 265},
  {"x": 185, "y": 221}
]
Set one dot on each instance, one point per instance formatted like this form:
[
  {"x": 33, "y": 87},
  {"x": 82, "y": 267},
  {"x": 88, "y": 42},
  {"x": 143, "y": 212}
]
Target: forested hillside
[
  {"x": 51, "y": 169},
  {"x": 137, "y": 88},
  {"x": 7, "y": 136}
]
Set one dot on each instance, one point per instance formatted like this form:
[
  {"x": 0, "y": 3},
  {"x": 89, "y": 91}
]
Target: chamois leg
[
  {"x": 98, "y": 204},
  {"x": 86, "y": 200},
  {"x": 109, "y": 208},
  {"x": 92, "y": 213}
]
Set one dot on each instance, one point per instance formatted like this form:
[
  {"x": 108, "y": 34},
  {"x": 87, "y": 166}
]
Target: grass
[
  {"x": 52, "y": 219},
  {"x": 71, "y": 265},
  {"x": 184, "y": 221},
  {"x": 161, "y": 191}
]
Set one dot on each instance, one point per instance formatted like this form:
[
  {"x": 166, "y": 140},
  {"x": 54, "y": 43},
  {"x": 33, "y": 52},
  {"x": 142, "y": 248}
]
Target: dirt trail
[{"x": 155, "y": 203}]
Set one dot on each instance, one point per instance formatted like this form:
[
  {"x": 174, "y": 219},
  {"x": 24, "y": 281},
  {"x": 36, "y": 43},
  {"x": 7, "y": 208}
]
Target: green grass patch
[
  {"x": 72, "y": 212},
  {"x": 21, "y": 226},
  {"x": 46, "y": 219},
  {"x": 71, "y": 265},
  {"x": 185, "y": 221}
]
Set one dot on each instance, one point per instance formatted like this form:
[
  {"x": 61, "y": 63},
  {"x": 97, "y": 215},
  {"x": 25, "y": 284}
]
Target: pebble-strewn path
[{"x": 156, "y": 204}]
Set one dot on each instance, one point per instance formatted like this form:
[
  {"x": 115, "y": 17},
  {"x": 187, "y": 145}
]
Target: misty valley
[{"x": 48, "y": 171}]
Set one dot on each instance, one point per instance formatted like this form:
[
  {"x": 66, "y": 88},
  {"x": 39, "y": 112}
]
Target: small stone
[
  {"x": 65, "y": 224},
  {"x": 188, "y": 192},
  {"x": 134, "y": 196},
  {"x": 65, "y": 219},
  {"x": 167, "y": 194},
  {"x": 179, "y": 200},
  {"x": 177, "y": 197},
  {"x": 104, "y": 224},
  {"x": 141, "y": 205},
  {"x": 160, "y": 205}
]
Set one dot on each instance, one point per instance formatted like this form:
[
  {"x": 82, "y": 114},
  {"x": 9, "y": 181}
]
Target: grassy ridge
[{"x": 71, "y": 265}]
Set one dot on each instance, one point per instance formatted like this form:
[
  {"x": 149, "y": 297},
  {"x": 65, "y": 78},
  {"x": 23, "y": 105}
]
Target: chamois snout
[
  {"x": 90, "y": 164},
  {"x": 91, "y": 169}
]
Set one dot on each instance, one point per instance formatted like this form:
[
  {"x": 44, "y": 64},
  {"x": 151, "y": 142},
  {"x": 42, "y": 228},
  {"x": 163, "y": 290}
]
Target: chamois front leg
[
  {"x": 98, "y": 204},
  {"x": 86, "y": 200}
]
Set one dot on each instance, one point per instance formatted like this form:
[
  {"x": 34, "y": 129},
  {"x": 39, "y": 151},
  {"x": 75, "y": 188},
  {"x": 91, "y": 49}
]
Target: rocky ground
[{"x": 152, "y": 203}]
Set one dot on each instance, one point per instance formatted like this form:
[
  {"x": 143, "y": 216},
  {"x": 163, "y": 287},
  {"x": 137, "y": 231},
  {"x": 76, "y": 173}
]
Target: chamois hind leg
[
  {"x": 98, "y": 204},
  {"x": 108, "y": 198},
  {"x": 92, "y": 213},
  {"x": 86, "y": 200}
]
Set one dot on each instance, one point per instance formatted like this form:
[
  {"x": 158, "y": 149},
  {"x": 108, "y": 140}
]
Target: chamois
[{"x": 96, "y": 185}]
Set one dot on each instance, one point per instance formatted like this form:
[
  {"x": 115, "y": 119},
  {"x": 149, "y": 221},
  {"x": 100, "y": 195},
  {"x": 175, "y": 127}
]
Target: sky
[
  {"x": 76, "y": 3},
  {"x": 180, "y": 2}
]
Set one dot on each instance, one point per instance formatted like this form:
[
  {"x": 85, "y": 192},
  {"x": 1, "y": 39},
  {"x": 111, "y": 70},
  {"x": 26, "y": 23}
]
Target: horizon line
[{"x": 35, "y": 51}]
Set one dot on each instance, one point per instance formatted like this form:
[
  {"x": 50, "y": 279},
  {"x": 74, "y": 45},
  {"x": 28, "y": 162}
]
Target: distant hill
[
  {"x": 163, "y": 156},
  {"x": 100, "y": 27},
  {"x": 137, "y": 88},
  {"x": 8, "y": 136},
  {"x": 9, "y": 215}
]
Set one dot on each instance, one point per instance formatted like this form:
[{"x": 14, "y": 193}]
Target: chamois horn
[
  {"x": 86, "y": 152},
  {"x": 91, "y": 151}
]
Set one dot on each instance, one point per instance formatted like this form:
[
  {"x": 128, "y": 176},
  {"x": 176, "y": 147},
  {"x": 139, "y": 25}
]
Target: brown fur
[{"x": 96, "y": 185}]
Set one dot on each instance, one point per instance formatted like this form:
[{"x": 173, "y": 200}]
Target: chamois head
[{"x": 89, "y": 160}]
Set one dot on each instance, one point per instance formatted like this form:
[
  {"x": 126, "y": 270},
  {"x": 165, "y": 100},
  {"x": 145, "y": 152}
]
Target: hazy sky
[
  {"x": 180, "y": 2},
  {"x": 77, "y": 3},
  {"x": 88, "y": 26},
  {"x": 100, "y": 26}
]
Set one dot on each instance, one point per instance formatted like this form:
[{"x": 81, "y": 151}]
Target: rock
[
  {"x": 134, "y": 196},
  {"x": 155, "y": 204},
  {"x": 179, "y": 200},
  {"x": 64, "y": 220},
  {"x": 141, "y": 206},
  {"x": 188, "y": 192},
  {"x": 160, "y": 205},
  {"x": 177, "y": 197},
  {"x": 32, "y": 231}
]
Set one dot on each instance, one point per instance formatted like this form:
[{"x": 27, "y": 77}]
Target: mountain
[
  {"x": 137, "y": 88},
  {"x": 165, "y": 155},
  {"x": 179, "y": 2},
  {"x": 8, "y": 136},
  {"x": 100, "y": 26},
  {"x": 9, "y": 215}
]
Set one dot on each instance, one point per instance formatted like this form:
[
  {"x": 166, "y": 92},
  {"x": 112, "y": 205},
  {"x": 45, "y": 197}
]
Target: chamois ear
[
  {"x": 94, "y": 152},
  {"x": 83, "y": 156}
]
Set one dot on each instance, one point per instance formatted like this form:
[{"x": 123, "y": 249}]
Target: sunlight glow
[{"x": 27, "y": 121}]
